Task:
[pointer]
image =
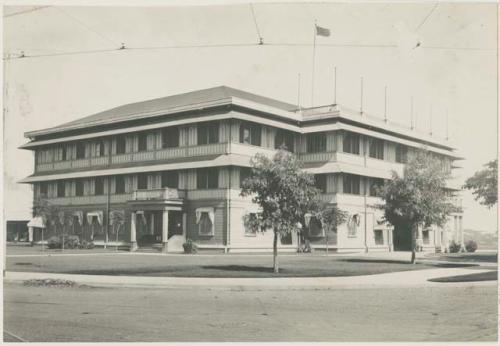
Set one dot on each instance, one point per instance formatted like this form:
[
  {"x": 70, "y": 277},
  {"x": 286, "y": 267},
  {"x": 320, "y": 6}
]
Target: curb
[{"x": 387, "y": 280}]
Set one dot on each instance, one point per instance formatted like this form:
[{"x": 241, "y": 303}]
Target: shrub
[
  {"x": 71, "y": 242},
  {"x": 86, "y": 245},
  {"x": 190, "y": 247},
  {"x": 471, "y": 246},
  {"x": 54, "y": 243},
  {"x": 455, "y": 247}
]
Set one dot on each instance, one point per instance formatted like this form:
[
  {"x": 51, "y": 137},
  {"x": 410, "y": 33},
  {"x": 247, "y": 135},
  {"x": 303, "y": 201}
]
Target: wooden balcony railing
[{"x": 158, "y": 194}]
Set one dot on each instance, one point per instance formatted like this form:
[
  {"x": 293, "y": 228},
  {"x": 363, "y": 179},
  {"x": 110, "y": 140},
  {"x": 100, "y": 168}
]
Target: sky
[{"x": 443, "y": 55}]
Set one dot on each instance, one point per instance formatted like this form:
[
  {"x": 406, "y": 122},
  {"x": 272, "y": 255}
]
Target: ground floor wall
[{"x": 364, "y": 229}]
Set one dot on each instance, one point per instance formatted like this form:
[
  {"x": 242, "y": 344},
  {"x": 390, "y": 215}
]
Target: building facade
[{"x": 171, "y": 169}]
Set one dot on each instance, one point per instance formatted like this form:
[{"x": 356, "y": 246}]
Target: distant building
[{"x": 172, "y": 167}]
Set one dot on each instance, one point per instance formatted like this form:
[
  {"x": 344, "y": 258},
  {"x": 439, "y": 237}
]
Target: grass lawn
[{"x": 230, "y": 265}]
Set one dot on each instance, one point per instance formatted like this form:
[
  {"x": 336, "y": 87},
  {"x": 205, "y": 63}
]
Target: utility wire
[
  {"x": 261, "y": 40},
  {"x": 24, "y": 55},
  {"x": 86, "y": 26},
  {"x": 37, "y": 8},
  {"x": 427, "y": 17}
]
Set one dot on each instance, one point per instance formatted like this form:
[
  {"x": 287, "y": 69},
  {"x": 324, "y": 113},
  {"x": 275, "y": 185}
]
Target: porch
[{"x": 158, "y": 219}]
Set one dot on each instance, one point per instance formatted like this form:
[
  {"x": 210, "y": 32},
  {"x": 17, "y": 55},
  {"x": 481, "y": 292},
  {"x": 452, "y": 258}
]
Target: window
[
  {"x": 401, "y": 153},
  {"x": 119, "y": 184},
  {"x": 249, "y": 232},
  {"x": 320, "y": 182},
  {"x": 375, "y": 183},
  {"x": 142, "y": 181},
  {"x": 378, "y": 234},
  {"x": 78, "y": 187},
  {"x": 170, "y": 179},
  {"x": 425, "y": 236},
  {"x": 350, "y": 143},
  {"x": 80, "y": 150},
  {"x": 61, "y": 189},
  {"x": 250, "y": 134},
  {"x": 351, "y": 184},
  {"x": 99, "y": 148},
  {"x": 207, "y": 178},
  {"x": 208, "y": 133},
  {"x": 376, "y": 149},
  {"x": 64, "y": 153},
  {"x": 99, "y": 186},
  {"x": 43, "y": 189},
  {"x": 284, "y": 138},
  {"x": 170, "y": 137},
  {"x": 315, "y": 228},
  {"x": 142, "y": 141},
  {"x": 120, "y": 145},
  {"x": 245, "y": 173},
  {"x": 316, "y": 142},
  {"x": 205, "y": 225}
]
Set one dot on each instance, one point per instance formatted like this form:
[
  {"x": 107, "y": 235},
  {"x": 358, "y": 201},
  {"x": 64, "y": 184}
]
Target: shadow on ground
[
  {"x": 438, "y": 265},
  {"x": 487, "y": 276}
]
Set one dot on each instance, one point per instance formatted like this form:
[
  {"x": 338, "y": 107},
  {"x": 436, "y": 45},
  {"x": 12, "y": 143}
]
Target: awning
[
  {"x": 37, "y": 221},
  {"x": 91, "y": 214},
  {"x": 209, "y": 210}
]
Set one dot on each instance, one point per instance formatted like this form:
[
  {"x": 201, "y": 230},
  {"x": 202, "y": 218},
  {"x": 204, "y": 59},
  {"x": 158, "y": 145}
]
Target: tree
[
  {"x": 484, "y": 184},
  {"x": 330, "y": 217},
  {"x": 117, "y": 220},
  {"x": 48, "y": 212},
  {"x": 419, "y": 198},
  {"x": 282, "y": 190}
]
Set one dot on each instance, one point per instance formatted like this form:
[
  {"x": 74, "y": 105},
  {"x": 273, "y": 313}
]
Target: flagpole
[
  {"x": 313, "y": 63},
  {"x": 335, "y": 85},
  {"x": 298, "y": 93}
]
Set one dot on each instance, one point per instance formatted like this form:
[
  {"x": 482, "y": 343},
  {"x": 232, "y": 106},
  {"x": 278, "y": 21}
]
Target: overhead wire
[{"x": 37, "y": 8}]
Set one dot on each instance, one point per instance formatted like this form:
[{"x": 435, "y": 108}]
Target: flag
[{"x": 322, "y": 31}]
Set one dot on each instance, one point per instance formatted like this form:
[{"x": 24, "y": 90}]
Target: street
[{"x": 92, "y": 314}]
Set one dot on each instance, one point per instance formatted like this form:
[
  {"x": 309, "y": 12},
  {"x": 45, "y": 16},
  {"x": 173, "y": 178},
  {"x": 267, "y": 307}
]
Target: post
[
  {"x": 164, "y": 236},
  {"x": 298, "y": 93},
  {"x": 411, "y": 114},
  {"x": 133, "y": 223},
  {"x": 361, "y": 98},
  {"x": 313, "y": 64},
  {"x": 385, "y": 103},
  {"x": 30, "y": 235},
  {"x": 335, "y": 85}
]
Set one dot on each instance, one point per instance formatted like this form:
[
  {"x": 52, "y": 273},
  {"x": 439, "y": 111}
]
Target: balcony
[
  {"x": 158, "y": 194},
  {"x": 88, "y": 200}
]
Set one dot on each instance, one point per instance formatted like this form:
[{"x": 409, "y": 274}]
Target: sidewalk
[{"x": 417, "y": 278}]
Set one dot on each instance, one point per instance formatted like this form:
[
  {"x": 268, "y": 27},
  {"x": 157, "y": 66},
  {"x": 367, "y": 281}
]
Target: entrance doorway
[
  {"x": 174, "y": 223},
  {"x": 149, "y": 228}
]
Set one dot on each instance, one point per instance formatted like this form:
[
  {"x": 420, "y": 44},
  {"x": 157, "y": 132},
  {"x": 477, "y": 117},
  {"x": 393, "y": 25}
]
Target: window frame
[
  {"x": 351, "y": 178},
  {"x": 167, "y": 176},
  {"x": 401, "y": 153},
  {"x": 142, "y": 142},
  {"x": 376, "y": 148},
  {"x": 212, "y": 228},
  {"x": 316, "y": 142},
  {"x": 207, "y": 133},
  {"x": 140, "y": 180},
  {"x": 320, "y": 182},
  {"x": 206, "y": 177},
  {"x": 101, "y": 186},
  {"x": 119, "y": 141},
  {"x": 122, "y": 183},
  {"x": 170, "y": 137},
  {"x": 61, "y": 192},
  {"x": 80, "y": 150},
  {"x": 283, "y": 136},
  {"x": 349, "y": 140},
  {"x": 79, "y": 189},
  {"x": 254, "y": 133}
]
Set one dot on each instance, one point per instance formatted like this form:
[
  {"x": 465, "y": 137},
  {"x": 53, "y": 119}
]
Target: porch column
[
  {"x": 133, "y": 241},
  {"x": 420, "y": 238},
  {"x": 184, "y": 225},
  {"x": 164, "y": 236},
  {"x": 30, "y": 235}
]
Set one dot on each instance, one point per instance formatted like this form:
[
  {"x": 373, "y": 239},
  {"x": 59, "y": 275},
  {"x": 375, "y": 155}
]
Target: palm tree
[{"x": 117, "y": 220}]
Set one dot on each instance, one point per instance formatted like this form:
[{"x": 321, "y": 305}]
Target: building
[{"x": 172, "y": 167}]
